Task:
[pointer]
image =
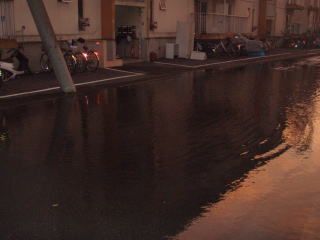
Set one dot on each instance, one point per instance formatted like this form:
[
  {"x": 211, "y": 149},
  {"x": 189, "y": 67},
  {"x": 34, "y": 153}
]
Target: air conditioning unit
[{"x": 65, "y": 1}]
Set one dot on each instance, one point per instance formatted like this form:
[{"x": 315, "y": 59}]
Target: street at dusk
[
  {"x": 229, "y": 155},
  {"x": 159, "y": 119}
]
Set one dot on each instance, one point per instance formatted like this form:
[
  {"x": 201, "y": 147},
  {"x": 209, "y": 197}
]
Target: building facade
[
  {"x": 119, "y": 30},
  {"x": 129, "y": 30},
  {"x": 303, "y": 16},
  {"x": 137, "y": 27},
  {"x": 70, "y": 19},
  {"x": 219, "y": 17}
]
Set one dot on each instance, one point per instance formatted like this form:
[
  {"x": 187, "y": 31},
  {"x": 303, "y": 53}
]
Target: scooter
[{"x": 8, "y": 70}]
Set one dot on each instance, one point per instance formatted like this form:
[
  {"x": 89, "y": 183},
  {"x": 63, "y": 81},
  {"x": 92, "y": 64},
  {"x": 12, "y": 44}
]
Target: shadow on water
[
  {"x": 144, "y": 161},
  {"x": 62, "y": 139}
]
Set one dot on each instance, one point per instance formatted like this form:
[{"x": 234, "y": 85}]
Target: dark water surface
[{"x": 200, "y": 156}]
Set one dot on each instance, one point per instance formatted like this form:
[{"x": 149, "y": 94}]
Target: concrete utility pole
[{"x": 51, "y": 45}]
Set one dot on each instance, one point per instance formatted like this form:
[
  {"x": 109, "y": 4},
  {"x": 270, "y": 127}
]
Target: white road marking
[
  {"x": 219, "y": 63},
  {"x": 243, "y": 59},
  {"x": 174, "y": 64},
  {"x": 107, "y": 79},
  {"x": 56, "y": 88},
  {"x": 123, "y": 71},
  {"x": 28, "y": 93}
]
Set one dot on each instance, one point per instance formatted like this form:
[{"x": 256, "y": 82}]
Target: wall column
[
  {"x": 108, "y": 13},
  {"x": 108, "y": 29},
  {"x": 262, "y": 27}
]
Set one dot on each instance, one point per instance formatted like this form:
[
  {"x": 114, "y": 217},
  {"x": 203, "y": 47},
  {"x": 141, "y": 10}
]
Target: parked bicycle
[
  {"x": 301, "y": 42},
  {"x": 69, "y": 58},
  {"x": 90, "y": 57},
  {"x": 78, "y": 56},
  {"x": 224, "y": 47}
]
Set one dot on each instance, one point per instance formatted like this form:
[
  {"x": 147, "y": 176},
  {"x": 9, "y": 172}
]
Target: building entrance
[{"x": 129, "y": 31}]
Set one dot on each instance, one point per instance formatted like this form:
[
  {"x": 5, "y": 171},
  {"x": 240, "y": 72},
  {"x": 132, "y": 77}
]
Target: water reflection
[
  {"x": 4, "y": 136},
  {"x": 61, "y": 146},
  {"x": 146, "y": 161}
]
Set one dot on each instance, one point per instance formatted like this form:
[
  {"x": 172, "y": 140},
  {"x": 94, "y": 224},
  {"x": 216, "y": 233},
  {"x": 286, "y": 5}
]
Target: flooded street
[{"x": 229, "y": 155}]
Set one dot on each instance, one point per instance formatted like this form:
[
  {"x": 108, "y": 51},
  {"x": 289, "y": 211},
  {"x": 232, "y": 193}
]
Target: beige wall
[
  {"x": 248, "y": 8},
  {"x": 64, "y": 18},
  {"x": 177, "y": 10},
  {"x": 241, "y": 7},
  {"x": 92, "y": 10}
]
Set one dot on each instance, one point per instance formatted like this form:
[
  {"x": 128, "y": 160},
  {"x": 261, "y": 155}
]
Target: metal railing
[
  {"x": 7, "y": 28},
  {"x": 214, "y": 23}
]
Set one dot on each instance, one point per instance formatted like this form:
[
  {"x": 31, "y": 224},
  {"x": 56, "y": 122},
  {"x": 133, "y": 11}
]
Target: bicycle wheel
[
  {"x": 71, "y": 62},
  {"x": 227, "y": 49},
  {"x": 81, "y": 62},
  {"x": 45, "y": 63},
  {"x": 211, "y": 50},
  {"x": 233, "y": 51},
  {"x": 92, "y": 61}
]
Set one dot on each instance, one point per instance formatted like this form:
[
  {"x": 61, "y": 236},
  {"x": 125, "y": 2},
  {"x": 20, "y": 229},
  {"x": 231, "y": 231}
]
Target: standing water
[{"x": 199, "y": 156}]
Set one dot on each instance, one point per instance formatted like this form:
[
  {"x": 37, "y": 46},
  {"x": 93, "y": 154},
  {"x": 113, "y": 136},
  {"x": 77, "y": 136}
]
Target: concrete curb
[{"x": 229, "y": 64}]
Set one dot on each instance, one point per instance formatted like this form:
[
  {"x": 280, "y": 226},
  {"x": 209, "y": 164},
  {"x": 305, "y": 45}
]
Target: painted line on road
[
  {"x": 311, "y": 53},
  {"x": 313, "y": 50},
  {"x": 31, "y": 92},
  {"x": 108, "y": 79},
  {"x": 57, "y": 88},
  {"x": 219, "y": 63},
  {"x": 175, "y": 64},
  {"x": 123, "y": 71},
  {"x": 243, "y": 59}
]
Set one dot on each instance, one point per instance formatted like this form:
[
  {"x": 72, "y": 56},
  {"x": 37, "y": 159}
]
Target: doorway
[{"x": 129, "y": 26}]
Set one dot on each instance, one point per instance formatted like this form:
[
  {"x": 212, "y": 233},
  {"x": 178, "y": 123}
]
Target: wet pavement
[{"x": 223, "y": 155}]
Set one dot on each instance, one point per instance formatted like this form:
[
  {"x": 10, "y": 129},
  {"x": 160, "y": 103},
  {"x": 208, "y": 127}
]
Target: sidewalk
[
  {"x": 45, "y": 83},
  {"x": 227, "y": 63}
]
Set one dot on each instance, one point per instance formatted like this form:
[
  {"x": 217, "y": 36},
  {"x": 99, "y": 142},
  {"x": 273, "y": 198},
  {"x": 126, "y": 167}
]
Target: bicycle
[
  {"x": 69, "y": 57},
  {"x": 225, "y": 47},
  {"x": 91, "y": 56},
  {"x": 82, "y": 60},
  {"x": 93, "y": 61}
]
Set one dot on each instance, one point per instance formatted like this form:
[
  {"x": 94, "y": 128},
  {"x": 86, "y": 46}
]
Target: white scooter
[{"x": 8, "y": 70}]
